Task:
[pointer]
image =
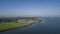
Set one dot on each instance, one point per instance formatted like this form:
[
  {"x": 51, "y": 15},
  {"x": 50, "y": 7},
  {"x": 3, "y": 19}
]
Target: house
[{"x": 20, "y": 20}]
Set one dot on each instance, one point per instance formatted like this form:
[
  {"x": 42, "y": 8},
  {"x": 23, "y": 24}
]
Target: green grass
[
  {"x": 6, "y": 26},
  {"x": 11, "y": 25}
]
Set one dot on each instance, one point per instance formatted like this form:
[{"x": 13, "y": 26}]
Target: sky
[{"x": 30, "y": 8}]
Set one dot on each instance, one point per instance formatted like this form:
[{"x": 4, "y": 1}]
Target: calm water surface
[{"x": 51, "y": 26}]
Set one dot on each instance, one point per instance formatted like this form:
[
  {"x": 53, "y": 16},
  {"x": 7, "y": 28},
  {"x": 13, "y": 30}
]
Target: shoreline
[
  {"x": 19, "y": 24},
  {"x": 17, "y": 27}
]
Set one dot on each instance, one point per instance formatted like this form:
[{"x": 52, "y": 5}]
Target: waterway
[{"x": 50, "y": 26}]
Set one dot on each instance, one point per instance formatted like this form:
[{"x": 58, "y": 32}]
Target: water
[{"x": 51, "y": 26}]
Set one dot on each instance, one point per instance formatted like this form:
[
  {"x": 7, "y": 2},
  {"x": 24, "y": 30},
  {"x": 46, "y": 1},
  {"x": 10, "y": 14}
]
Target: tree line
[{"x": 7, "y": 20}]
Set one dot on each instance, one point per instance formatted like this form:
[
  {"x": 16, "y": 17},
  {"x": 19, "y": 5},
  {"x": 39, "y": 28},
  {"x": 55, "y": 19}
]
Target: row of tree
[{"x": 7, "y": 20}]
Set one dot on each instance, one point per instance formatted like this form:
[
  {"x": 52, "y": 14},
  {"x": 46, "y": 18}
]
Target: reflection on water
[{"x": 51, "y": 26}]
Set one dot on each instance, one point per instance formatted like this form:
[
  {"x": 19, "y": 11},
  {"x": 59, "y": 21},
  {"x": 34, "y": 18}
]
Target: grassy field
[
  {"x": 12, "y": 25},
  {"x": 6, "y": 26}
]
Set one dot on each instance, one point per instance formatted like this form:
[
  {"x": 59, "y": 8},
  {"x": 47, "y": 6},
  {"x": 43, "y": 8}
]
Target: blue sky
[{"x": 30, "y": 8}]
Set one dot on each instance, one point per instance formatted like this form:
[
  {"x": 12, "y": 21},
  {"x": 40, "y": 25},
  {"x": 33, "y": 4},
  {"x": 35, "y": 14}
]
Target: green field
[
  {"x": 6, "y": 26},
  {"x": 12, "y": 25}
]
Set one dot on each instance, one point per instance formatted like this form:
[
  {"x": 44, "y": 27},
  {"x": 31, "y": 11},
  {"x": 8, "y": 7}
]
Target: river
[{"x": 50, "y": 26}]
